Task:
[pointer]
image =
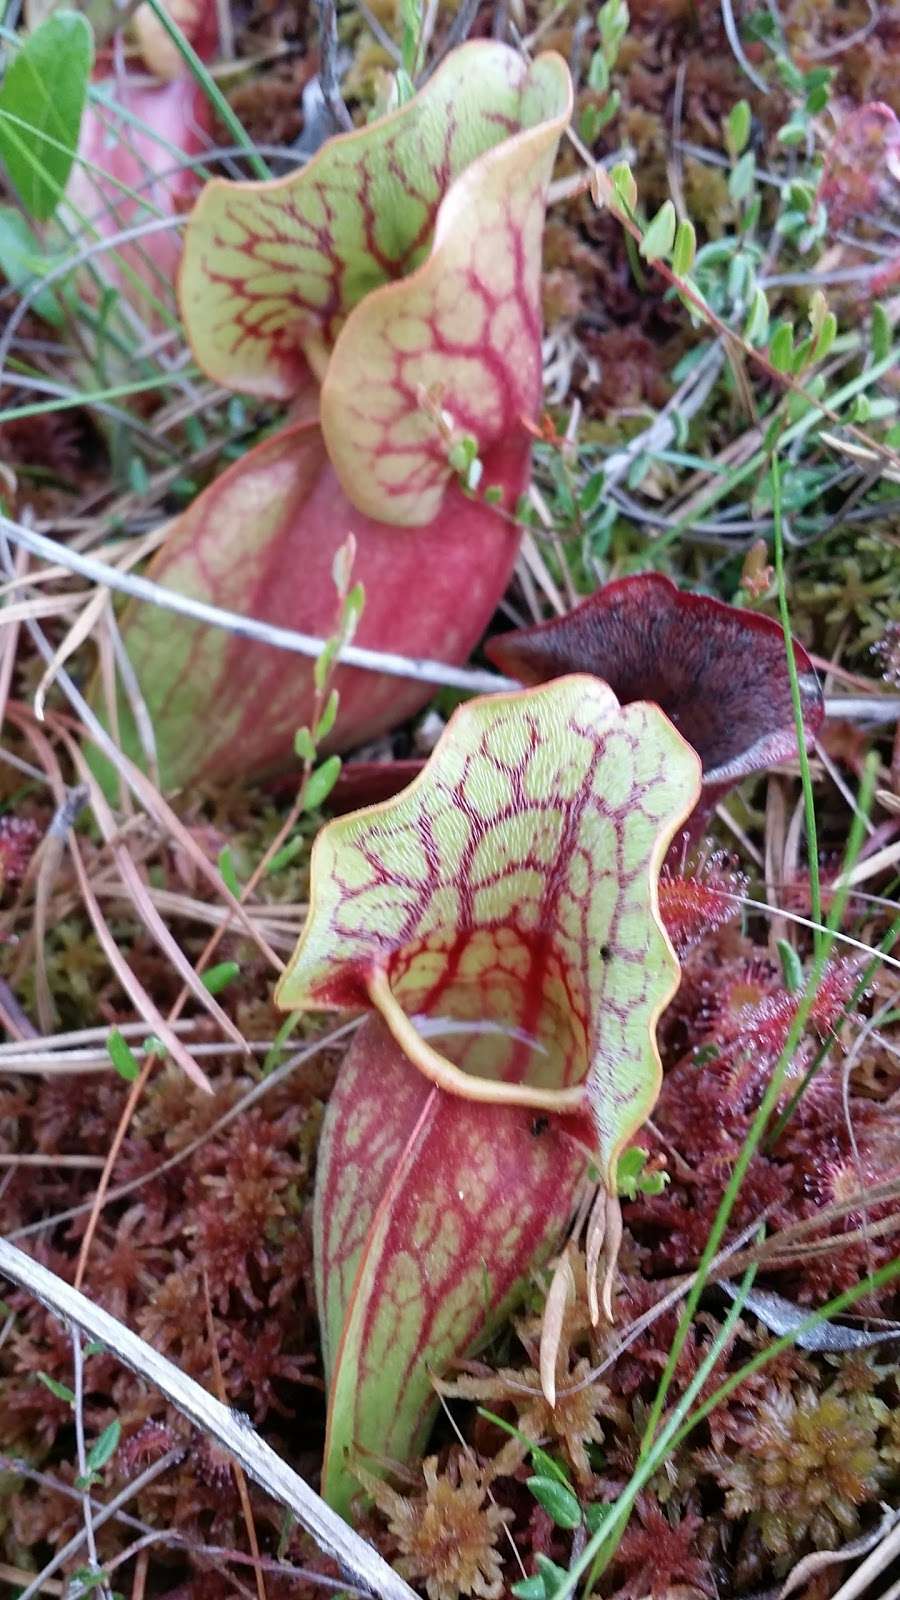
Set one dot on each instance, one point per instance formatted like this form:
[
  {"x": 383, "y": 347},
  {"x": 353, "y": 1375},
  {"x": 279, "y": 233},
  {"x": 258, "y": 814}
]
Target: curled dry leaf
[
  {"x": 720, "y": 673},
  {"x": 399, "y": 269},
  {"x": 560, "y": 1296}
]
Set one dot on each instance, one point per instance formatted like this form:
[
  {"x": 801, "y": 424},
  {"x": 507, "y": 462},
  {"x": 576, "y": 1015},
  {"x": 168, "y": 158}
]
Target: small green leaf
[
  {"x": 558, "y": 1501},
  {"x": 790, "y": 75},
  {"x": 104, "y": 1447},
  {"x": 739, "y": 277},
  {"x": 58, "y": 1389},
  {"x": 737, "y": 128},
  {"x": 304, "y": 745},
  {"x": 622, "y": 179},
  {"x": 227, "y": 870},
  {"x": 612, "y": 21},
  {"x": 659, "y": 235},
  {"x": 236, "y": 412},
  {"x": 529, "y": 1588},
  {"x": 792, "y": 133},
  {"x": 756, "y": 328},
  {"x": 45, "y": 86},
  {"x": 353, "y": 610},
  {"x": 741, "y": 178},
  {"x": 800, "y": 197},
  {"x": 598, "y": 73},
  {"x": 751, "y": 215},
  {"x": 718, "y": 253},
  {"x": 219, "y": 977},
  {"x": 122, "y": 1056},
  {"x": 881, "y": 332},
  {"x": 95, "y": 1347},
  {"x": 655, "y": 1182},
  {"x": 463, "y": 451},
  {"x": 595, "y": 1515},
  {"x": 791, "y": 966},
  {"x": 790, "y": 223},
  {"x": 628, "y": 1172},
  {"x": 781, "y": 346},
  {"x": 195, "y": 433},
  {"x": 329, "y": 716},
  {"x": 320, "y": 783},
  {"x": 802, "y": 354},
  {"x": 23, "y": 260},
  {"x": 270, "y": 1061},
  {"x": 588, "y": 131},
  {"x": 324, "y": 662},
  {"x": 861, "y": 409},
  {"x": 684, "y": 249},
  {"x": 553, "y": 1576},
  {"x": 827, "y": 336},
  {"x": 287, "y": 854},
  {"x": 592, "y": 494},
  {"x": 138, "y": 476}
]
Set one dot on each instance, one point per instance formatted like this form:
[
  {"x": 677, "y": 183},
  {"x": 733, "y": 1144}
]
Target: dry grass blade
[
  {"x": 167, "y": 820},
  {"x": 133, "y": 987},
  {"x": 81, "y": 629},
  {"x": 368, "y": 1570},
  {"x": 821, "y": 1560},
  {"x": 881, "y": 1557},
  {"x": 143, "y": 904},
  {"x": 305, "y": 644},
  {"x": 559, "y": 1296},
  {"x": 237, "y": 1470}
]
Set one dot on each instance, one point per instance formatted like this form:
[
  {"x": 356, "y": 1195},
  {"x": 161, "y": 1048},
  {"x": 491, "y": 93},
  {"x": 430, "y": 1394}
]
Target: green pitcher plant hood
[
  {"x": 401, "y": 266},
  {"x": 501, "y": 914},
  {"x": 389, "y": 291}
]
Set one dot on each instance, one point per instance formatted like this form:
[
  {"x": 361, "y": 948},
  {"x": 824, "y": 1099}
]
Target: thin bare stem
[
  {"x": 328, "y": 78},
  {"x": 305, "y": 644}
]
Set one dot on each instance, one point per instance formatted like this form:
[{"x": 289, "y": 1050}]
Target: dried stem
[{"x": 363, "y": 1565}]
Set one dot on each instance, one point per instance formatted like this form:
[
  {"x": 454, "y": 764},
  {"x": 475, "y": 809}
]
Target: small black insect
[
  {"x": 539, "y": 1125},
  {"x": 605, "y": 952}
]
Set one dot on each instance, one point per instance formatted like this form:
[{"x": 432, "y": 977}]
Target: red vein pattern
[
  {"x": 430, "y": 1216},
  {"x": 272, "y": 268},
  {"x": 261, "y": 540},
  {"x": 463, "y": 331},
  {"x": 509, "y": 895}
]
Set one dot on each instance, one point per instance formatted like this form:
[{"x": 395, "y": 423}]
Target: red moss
[
  {"x": 657, "y": 1554},
  {"x": 19, "y": 838}
]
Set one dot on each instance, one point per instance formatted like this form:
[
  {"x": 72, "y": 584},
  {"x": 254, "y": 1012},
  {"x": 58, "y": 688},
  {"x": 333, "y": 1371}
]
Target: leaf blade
[{"x": 46, "y": 85}]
